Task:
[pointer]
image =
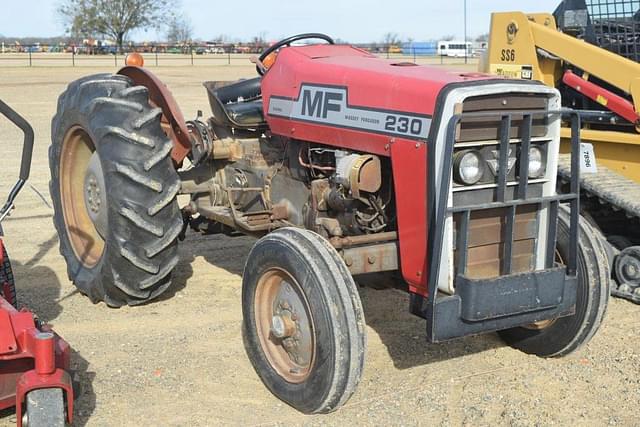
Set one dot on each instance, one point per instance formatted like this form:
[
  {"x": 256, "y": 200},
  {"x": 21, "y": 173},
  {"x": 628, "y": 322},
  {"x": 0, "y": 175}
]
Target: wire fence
[{"x": 160, "y": 56}]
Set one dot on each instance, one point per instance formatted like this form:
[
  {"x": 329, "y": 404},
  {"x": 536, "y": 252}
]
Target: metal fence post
[
  {"x": 156, "y": 51},
  {"x": 115, "y": 58},
  {"x": 414, "y": 53},
  {"x": 30, "y": 63},
  {"x": 73, "y": 57},
  {"x": 229, "y": 58},
  {"x": 191, "y": 50}
]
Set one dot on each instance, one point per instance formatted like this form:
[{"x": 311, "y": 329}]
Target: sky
[{"x": 350, "y": 20}]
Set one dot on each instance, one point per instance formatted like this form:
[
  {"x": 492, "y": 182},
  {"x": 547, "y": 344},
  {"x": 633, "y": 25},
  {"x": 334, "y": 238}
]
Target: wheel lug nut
[
  {"x": 278, "y": 326},
  {"x": 282, "y": 326}
]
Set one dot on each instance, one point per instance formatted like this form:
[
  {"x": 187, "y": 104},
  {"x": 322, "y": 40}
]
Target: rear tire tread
[{"x": 139, "y": 172}]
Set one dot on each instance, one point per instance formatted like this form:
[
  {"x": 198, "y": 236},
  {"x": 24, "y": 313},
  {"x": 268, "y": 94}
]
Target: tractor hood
[{"x": 334, "y": 93}]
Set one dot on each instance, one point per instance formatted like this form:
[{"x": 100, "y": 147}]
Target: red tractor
[
  {"x": 343, "y": 164},
  {"x": 33, "y": 359}
]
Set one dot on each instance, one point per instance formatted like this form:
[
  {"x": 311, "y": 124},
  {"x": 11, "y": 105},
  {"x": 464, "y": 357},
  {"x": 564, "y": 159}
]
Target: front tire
[
  {"x": 562, "y": 336},
  {"x": 114, "y": 190},
  {"x": 303, "y": 322}
]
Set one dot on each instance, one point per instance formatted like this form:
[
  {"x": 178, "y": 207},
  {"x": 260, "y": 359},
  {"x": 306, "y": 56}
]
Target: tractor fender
[{"x": 173, "y": 122}]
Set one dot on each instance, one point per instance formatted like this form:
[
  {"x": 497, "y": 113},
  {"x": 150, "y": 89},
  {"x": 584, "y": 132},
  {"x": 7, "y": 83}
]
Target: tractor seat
[{"x": 237, "y": 105}]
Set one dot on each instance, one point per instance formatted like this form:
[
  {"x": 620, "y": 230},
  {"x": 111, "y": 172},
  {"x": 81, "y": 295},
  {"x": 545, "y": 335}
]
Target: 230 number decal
[{"x": 402, "y": 124}]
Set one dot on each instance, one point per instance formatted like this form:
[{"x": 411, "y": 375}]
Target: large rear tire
[
  {"x": 562, "y": 336},
  {"x": 303, "y": 322},
  {"x": 114, "y": 191}
]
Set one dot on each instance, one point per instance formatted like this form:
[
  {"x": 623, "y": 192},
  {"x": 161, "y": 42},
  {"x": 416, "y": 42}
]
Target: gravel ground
[{"x": 181, "y": 360}]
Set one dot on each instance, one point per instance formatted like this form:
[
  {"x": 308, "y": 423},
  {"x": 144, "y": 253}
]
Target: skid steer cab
[{"x": 342, "y": 164}]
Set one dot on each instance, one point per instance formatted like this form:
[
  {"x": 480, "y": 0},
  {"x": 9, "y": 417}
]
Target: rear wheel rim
[
  {"x": 77, "y": 151},
  {"x": 284, "y": 325}
]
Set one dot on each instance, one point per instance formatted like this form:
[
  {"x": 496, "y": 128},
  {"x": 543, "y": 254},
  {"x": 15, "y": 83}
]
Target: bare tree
[
  {"x": 483, "y": 37},
  {"x": 259, "y": 42},
  {"x": 448, "y": 37},
  {"x": 221, "y": 38},
  {"x": 391, "y": 39},
  {"x": 113, "y": 18},
  {"x": 180, "y": 30}
]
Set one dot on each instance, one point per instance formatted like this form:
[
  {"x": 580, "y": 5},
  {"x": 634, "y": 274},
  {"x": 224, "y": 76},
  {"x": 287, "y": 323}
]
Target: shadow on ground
[
  {"x": 405, "y": 335},
  {"x": 228, "y": 253},
  {"x": 85, "y": 402},
  {"x": 386, "y": 310},
  {"x": 37, "y": 286}
]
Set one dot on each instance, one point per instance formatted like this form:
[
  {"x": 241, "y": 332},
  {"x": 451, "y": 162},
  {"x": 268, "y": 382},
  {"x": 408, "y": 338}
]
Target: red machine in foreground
[{"x": 33, "y": 359}]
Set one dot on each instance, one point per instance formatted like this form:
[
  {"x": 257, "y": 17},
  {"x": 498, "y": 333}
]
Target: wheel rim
[
  {"x": 82, "y": 191},
  {"x": 284, "y": 325}
]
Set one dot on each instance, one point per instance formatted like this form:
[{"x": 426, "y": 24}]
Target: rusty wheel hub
[
  {"x": 95, "y": 195},
  {"x": 83, "y": 196},
  {"x": 284, "y": 325}
]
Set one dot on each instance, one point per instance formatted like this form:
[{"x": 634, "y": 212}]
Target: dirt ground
[{"x": 181, "y": 361}]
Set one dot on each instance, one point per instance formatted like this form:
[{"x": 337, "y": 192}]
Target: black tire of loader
[
  {"x": 567, "y": 334},
  {"x": 140, "y": 251},
  {"x": 338, "y": 317},
  {"x": 6, "y": 276}
]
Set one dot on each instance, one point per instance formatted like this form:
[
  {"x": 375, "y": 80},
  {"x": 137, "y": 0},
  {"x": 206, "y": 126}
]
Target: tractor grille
[
  {"x": 495, "y": 234},
  {"x": 486, "y": 241},
  {"x": 488, "y": 129}
]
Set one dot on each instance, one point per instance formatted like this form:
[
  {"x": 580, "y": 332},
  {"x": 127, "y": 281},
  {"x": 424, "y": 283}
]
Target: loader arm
[{"x": 530, "y": 46}]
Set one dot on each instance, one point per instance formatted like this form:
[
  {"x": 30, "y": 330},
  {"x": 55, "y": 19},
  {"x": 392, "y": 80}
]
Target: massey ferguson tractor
[
  {"x": 34, "y": 361},
  {"x": 342, "y": 164}
]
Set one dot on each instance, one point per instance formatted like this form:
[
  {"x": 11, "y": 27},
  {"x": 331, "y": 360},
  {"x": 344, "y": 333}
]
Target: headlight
[
  {"x": 536, "y": 162},
  {"x": 468, "y": 167}
]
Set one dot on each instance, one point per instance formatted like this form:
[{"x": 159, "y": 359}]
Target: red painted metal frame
[
  {"x": 619, "y": 105},
  {"x": 172, "y": 117},
  {"x": 30, "y": 359},
  {"x": 372, "y": 83}
]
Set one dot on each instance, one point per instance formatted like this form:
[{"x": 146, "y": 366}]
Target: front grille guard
[{"x": 437, "y": 226}]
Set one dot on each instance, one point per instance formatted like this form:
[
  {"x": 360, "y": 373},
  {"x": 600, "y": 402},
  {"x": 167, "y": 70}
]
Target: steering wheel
[{"x": 287, "y": 42}]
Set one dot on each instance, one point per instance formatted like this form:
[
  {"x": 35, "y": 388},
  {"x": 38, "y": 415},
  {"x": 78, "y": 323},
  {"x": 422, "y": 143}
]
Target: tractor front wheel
[
  {"x": 558, "y": 337},
  {"x": 114, "y": 191},
  {"x": 303, "y": 323}
]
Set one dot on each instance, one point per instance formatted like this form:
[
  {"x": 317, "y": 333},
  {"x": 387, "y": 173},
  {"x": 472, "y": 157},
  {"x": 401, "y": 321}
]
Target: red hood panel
[{"x": 371, "y": 81}]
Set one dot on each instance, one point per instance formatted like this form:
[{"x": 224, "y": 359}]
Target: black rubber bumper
[{"x": 487, "y": 305}]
